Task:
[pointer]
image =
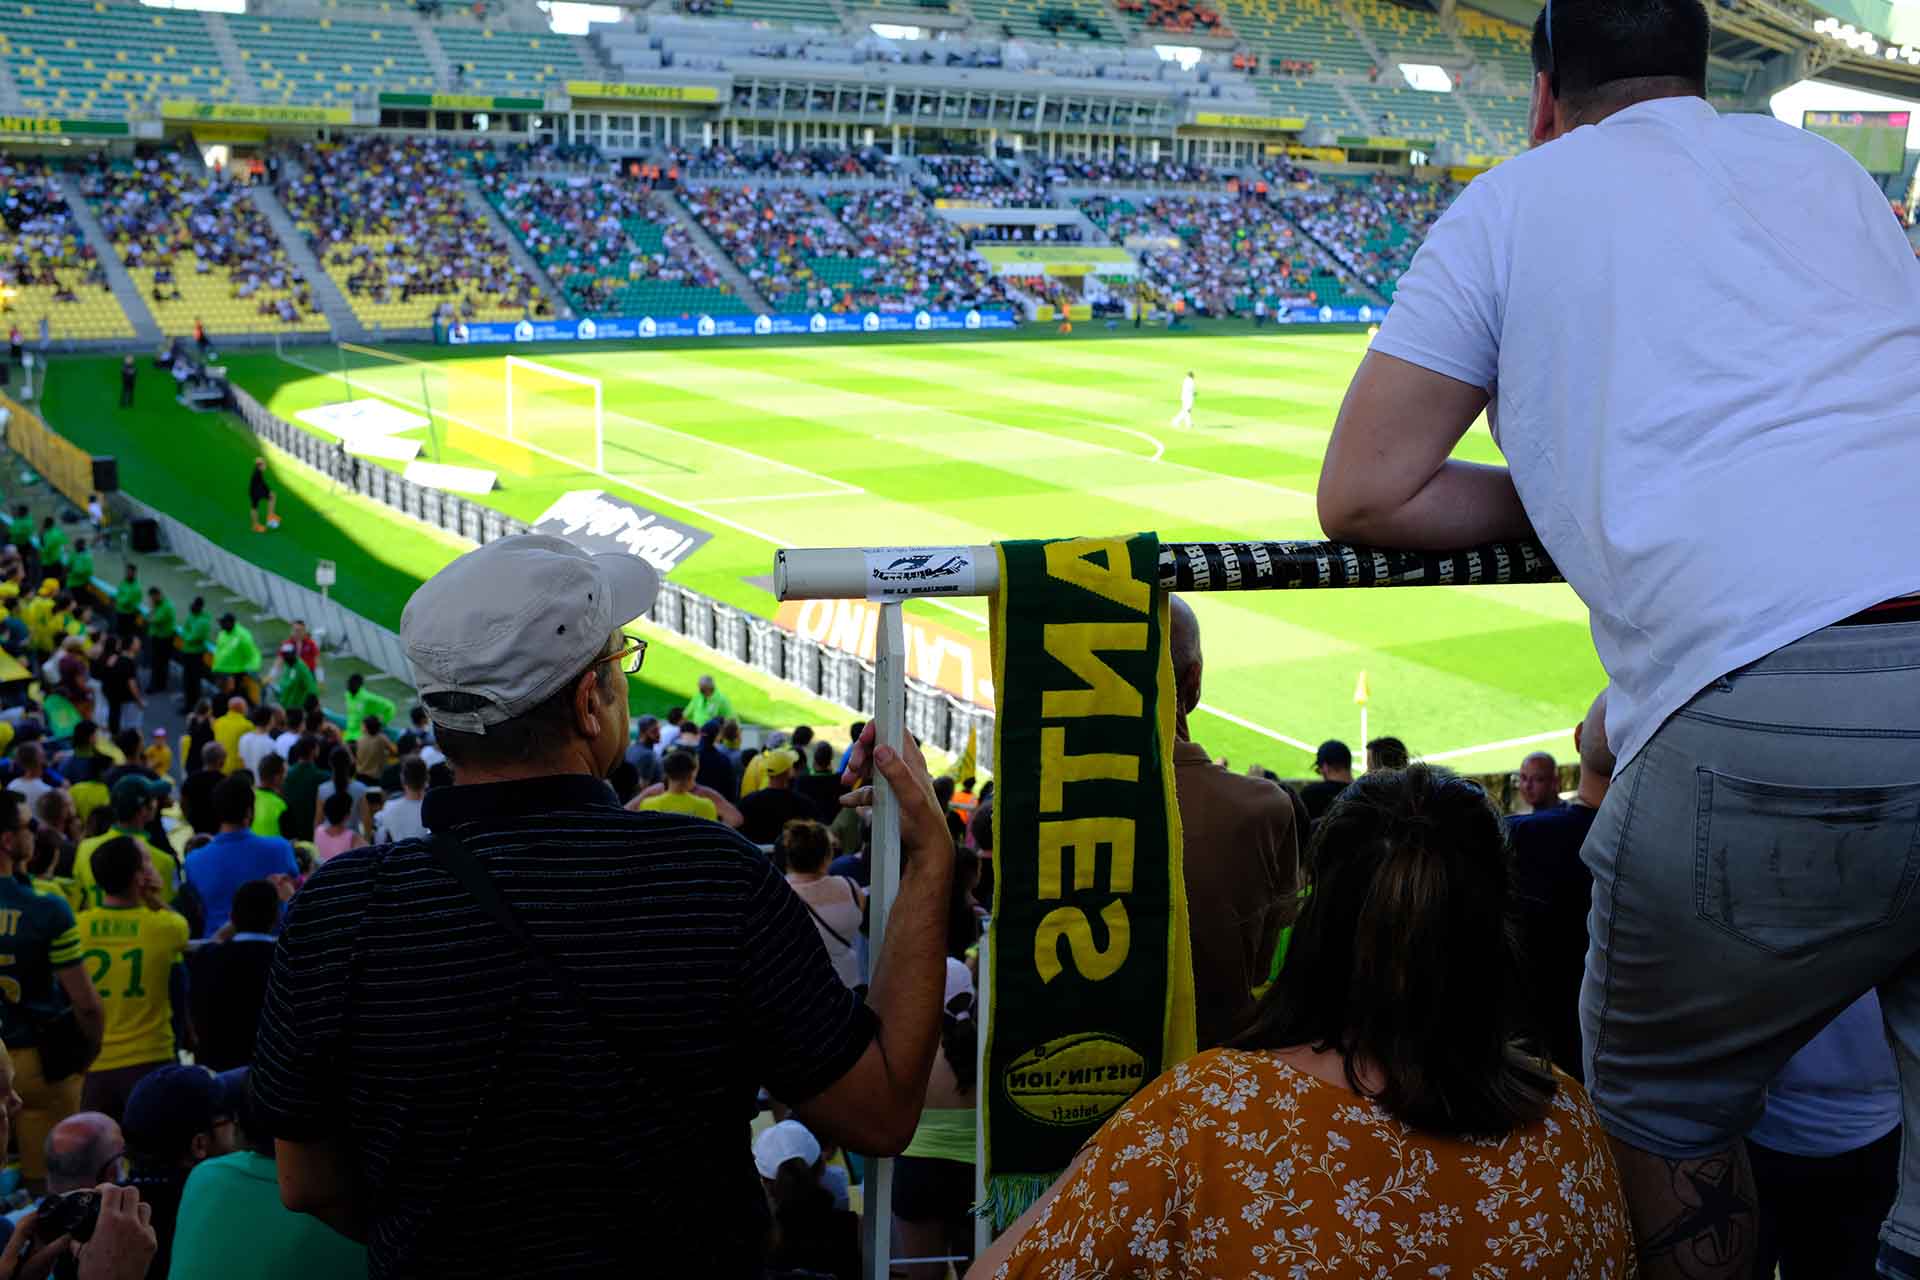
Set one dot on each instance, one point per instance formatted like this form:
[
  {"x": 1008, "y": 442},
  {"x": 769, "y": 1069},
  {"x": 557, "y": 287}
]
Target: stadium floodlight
[
  {"x": 558, "y": 411},
  {"x": 853, "y": 573}
]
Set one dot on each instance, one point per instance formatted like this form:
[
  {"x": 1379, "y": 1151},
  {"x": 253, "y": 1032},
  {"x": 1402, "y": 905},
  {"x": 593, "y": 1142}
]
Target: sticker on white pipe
[{"x": 900, "y": 573}]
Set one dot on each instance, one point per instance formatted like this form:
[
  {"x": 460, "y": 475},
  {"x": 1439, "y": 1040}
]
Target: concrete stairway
[
  {"x": 230, "y": 58},
  {"x": 333, "y": 304},
  {"x": 668, "y": 208},
  {"x": 125, "y": 292},
  {"x": 430, "y": 45},
  {"x": 490, "y": 217}
]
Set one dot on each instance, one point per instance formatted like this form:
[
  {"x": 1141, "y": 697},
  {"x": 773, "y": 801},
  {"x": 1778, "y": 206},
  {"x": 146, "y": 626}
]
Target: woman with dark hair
[
  {"x": 836, "y": 903},
  {"x": 1376, "y": 1116},
  {"x": 810, "y": 1235},
  {"x": 343, "y": 781}
]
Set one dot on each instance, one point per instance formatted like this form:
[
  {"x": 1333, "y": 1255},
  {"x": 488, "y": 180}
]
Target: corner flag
[{"x": 1360, "y": 690}]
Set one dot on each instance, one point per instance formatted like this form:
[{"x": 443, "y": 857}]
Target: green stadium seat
[{"x": 512, "y": 62}]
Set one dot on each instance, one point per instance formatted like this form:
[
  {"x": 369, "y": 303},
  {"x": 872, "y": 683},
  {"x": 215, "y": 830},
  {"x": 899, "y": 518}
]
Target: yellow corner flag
[
  {"x": 964, "y": 767},
  {"x": 1360, "y": 690}
]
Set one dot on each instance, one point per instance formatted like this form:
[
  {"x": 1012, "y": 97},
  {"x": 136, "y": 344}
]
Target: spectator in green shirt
[
  {"x": 126, "y": 599},
  {"x": 20, "y": 528},
  {"x": 708, "y": 704},
  {"x": 302, "y": 789},
  {"x": 53, "y": 549},
  {"x": 268, "y": 803},
  {"x": 361, "y": 703},
  {"x": 196, "y": 642},
  {"x": 232, "y": 1224},
  {"x": 293, "y": 681},
  {"x": 162, "y": 628},
  {"x": 236, "y": 659},
  {"x": 80, "y": 568}
]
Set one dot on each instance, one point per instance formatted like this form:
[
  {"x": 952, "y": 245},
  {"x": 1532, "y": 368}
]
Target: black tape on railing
[{"x": 1284, "y": 566}]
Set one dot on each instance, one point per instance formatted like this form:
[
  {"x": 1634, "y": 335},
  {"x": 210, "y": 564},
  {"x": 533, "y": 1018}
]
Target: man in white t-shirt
[
  {"x": 400, "y": 819},
  {"x": 1696, "y": 341},
  {"x": 257, "y": 744},
  {"x": 1183, "y": 420},
  {"x": 30, "y": 758}
]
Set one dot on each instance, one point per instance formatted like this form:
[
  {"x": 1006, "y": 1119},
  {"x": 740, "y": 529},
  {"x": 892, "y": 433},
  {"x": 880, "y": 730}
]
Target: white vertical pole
[
  {"x": 890, "y": 730},
  {"x": 982, "y": 1226},
  {"x": 1362, "y": 744},
  {"x": 599, "y": 430}
]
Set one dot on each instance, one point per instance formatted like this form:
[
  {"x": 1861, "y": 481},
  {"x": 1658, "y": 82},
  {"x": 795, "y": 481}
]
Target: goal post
[{"x": 556, "y": 411}]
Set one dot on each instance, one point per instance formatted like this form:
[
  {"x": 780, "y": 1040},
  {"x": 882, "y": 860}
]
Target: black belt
[{"x": 1898, "y": 609}]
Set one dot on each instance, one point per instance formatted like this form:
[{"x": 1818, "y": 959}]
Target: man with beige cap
[{"x": 530, "y": 1042}]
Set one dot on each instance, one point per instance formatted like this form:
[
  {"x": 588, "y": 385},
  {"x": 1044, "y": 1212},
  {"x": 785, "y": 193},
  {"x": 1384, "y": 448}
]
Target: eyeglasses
[{"x": 629, "y": 657}]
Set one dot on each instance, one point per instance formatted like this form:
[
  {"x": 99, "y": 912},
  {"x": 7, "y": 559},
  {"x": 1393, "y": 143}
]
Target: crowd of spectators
[
  {"x": 389, "y": 216},
  {"x": 595, "y": 236},
  {"x": 1184, "y": 17},
  {"x": 42, "y": 244},
  {"x": 920, "y": 259},
  {"x": 167, "y": 211},
  {"x": 1217, "y": 255},
  {"x": 1122, "y": 169},
  {"x": 1373, "y": 228},
  {"x": 777, "y": 236},
  {"x": 759, "y": 162},
  {"x": 977, "y": 180}
]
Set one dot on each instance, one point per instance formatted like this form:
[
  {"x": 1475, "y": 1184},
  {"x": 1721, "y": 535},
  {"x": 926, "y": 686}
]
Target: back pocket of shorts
[{"x": 1787, "y": 868}]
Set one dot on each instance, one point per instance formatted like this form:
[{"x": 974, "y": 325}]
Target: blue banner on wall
[
  {"x": 639, "y": 328},
  {"x": 726, "y": 326}
]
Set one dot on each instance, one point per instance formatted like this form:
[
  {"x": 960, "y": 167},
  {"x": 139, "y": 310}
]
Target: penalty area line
[{"x": 1527, "y": 741}]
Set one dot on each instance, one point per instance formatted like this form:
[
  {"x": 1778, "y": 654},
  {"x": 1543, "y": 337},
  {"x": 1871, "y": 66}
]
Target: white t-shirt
[
  {"x": 1186, "y": 392},
  {"x": 283, "y": 745},
  {"x": 398, "y": 820},
  {"x": 1703, "y": 342},
  {"x": 255, "y": 747},
  {"x": 31, "y": 788}
]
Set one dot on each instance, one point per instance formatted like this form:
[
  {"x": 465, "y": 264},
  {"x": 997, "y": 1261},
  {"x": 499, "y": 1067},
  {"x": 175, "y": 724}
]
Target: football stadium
[{"x": 565, "y": 562}]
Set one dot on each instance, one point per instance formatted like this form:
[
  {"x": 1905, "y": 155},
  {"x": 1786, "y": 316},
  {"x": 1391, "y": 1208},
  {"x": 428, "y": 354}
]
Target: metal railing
[{"x": 846, "y": 679}]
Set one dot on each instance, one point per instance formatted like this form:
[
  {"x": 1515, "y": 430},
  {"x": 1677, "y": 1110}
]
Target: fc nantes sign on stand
[{"x": 1092, "y": 980}]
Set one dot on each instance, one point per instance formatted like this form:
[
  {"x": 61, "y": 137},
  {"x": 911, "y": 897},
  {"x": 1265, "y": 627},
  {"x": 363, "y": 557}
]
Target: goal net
[{"x": 555, "y": 412}]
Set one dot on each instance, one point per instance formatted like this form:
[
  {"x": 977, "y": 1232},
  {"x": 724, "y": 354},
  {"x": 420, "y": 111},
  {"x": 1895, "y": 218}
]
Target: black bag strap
[
  {"x": 821, "y": 921},
  {"x": 448, "y": 850}
]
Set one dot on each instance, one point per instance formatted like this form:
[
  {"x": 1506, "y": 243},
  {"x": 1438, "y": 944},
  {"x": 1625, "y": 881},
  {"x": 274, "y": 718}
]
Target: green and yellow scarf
[{"x": 1092, "y": 974}]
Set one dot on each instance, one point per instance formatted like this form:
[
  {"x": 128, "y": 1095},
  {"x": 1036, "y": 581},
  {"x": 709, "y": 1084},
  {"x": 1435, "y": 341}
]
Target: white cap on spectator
[
  {"x": 788, "y": 1140},
  {"x": 515, "y": 620}
]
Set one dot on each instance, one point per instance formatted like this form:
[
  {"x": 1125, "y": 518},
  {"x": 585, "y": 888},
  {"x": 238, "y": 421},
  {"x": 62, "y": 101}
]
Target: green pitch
[{"x": 880, "y": 443}]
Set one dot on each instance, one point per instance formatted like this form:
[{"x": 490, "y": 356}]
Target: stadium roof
[{"x": 1762, "y": 46}]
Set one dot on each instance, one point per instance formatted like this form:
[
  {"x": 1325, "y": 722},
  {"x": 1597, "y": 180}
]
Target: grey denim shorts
[{"x": 1754, "y": 873}]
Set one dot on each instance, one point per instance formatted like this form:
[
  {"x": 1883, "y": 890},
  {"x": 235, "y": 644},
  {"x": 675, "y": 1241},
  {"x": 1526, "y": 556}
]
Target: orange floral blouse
[{"x": 1235, "y": 1164}]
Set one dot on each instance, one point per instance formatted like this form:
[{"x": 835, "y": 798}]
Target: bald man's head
[
  {"x": 1540, "y": 781},
  {"x": 1183, "y": 637},
  {"x": 79, "y": 1150}
]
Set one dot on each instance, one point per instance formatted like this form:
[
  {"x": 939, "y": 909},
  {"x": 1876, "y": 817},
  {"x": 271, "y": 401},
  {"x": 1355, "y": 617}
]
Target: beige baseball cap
[{"x": 514, "y": 620}]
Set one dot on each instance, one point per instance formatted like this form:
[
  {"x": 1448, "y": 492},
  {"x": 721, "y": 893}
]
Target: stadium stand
[
  {"x": 500, "y": 60},
  {"x": 974, "y": 180},
  {"x": 198, "y": 249},
  {"x": 919, "y": 260},
  {"x": 79, "y": 58},
  {"x": 795, "y": 253},
  {"x": 330, "y": 60},
  {"x": 1409, "y": 113},
  {"x": 749, "y": 162},
  {"x": 1372, "y": 228},
  {"x": 388, "y": 219},
  {"x": 49, "y": 270},
  {"x": 1233, "y": 251},
  {"x": 1047, "y": 20},
  {"x": 1498, "y": 46},
  {"x": 1401, "y": 29},
  {"x": 605, "y": 250}
]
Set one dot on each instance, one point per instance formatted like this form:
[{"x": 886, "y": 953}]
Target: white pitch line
[
  {"x": 655, "y": 494},
  {"x": 777, "y": 497},
  {"x": 1260, "y": 729},
  {"x": 1159, "y": 450},
  {"x": 1527, "y": 741}
]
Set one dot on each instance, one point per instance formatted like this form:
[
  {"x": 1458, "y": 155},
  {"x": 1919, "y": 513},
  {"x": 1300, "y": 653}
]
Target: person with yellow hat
[{"x": 770, "y": 808}]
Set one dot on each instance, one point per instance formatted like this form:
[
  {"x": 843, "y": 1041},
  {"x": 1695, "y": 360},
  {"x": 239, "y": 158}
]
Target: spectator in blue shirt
[{"x": 236, "y": 855}]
